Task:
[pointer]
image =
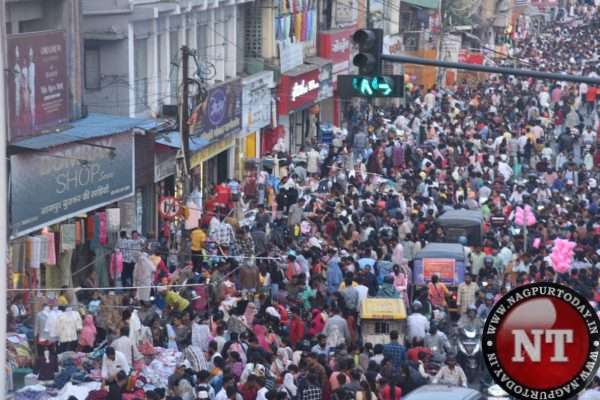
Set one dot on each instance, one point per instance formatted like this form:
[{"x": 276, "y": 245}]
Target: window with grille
[
  {"x": 253, "y": 30},
  {"x": 382, "y": 327}
]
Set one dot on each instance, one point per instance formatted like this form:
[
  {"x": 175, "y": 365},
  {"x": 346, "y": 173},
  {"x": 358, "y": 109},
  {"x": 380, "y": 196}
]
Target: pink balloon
[
  {"x": 536, "y": 243},
  {"x": 519, "y": 216}
]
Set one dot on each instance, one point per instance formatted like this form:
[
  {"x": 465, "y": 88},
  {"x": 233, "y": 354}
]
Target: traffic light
[
  {"x": 370, "y": 86},
  {"x": 370, "y": 47}
]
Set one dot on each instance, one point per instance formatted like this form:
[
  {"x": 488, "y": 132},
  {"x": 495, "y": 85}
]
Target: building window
[
  {"x": 382, "y": 327},
  {"x": 92, "y": 68},
  {"x": 141, "y": 74}
]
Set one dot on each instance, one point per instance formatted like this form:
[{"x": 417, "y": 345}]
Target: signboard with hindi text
[{"x": 49, "y": 187}]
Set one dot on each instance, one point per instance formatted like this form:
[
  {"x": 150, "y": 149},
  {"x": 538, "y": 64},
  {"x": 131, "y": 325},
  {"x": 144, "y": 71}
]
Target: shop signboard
[
  {"x": 336, "y": 45},
  {"x": 325, "y": 82},
  {"x": 296, "y": 92},
  {"x": 346, "y": 12},
  {"x": 37, "y": 83},
  {"x": 68, "y": 180},
  {"x": 256, "y": 101},
  {"x": 164, "y": 165},
  {"x": 220, "y": 114},
  {"x": 290, "y": 56}
]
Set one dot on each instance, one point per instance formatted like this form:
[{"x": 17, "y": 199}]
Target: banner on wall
[
  {"x": 256, "y": 101},
  {"x": 37, "y": 83},
  {"x": 69, "y": 180},
  {"x": 220, "y": 113}
]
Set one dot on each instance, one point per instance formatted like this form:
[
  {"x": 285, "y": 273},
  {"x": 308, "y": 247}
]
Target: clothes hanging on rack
[
  {"x": 90, "y": 227},
  {"x": 67, "y": 237},
  {"x": 113, "y": 219},
  {"x": 51, "y": 248},
  {"x": 78, "y": 233},
  {"x": 19, "y": 253},
  {"x": 36, "y": 250},
  {"x": 103, "y": 229},
  {"x": 64, "y": 263},
  {"x": 43, "y": 249}
]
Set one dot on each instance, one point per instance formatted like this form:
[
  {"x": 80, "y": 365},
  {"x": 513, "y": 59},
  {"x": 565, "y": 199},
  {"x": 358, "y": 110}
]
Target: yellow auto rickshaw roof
[{"x": 382, "y": 308}]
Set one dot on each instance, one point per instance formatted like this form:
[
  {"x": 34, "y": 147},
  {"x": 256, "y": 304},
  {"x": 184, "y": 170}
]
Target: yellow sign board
[{"x": 382, "y": 308}]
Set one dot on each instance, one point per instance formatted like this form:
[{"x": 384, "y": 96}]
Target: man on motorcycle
[
  {"x": 469, "y": 321},
  {"x": 438, "y": 343},
  {"x": 451, "y": 374},
  {"x": 417, "y": 323},
  {"x": 488, "y": 272},
  {"x": 485, "y": 307}
]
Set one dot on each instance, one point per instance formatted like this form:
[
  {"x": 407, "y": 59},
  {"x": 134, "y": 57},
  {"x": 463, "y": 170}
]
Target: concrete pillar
[{"x": 131, "y": 67}]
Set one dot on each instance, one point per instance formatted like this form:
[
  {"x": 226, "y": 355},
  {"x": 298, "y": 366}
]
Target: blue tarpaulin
[{"x": 91, "y": 127}]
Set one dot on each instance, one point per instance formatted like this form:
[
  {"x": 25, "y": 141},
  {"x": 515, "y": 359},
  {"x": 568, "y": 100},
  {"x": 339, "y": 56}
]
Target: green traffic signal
[{"x": 371, "y": 85}]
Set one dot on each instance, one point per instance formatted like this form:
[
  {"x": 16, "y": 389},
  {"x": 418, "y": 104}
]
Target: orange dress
[{"x": 437, "y": 294}]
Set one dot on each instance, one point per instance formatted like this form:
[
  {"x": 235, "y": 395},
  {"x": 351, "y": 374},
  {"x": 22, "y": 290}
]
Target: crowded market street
[{"x": 358, "y": 268}]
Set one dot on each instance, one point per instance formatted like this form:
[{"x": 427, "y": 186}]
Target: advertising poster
[
  {"x": 37, "y": 83},
  {"x": 442, "y": 267},
  {"x": 220, "y": 113}
]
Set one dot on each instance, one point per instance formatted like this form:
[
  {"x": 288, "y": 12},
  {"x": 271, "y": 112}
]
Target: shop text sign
[
  {"x": 37, "y": 83},
  {"x": 304, "y": 87},
  {"x": 336, "y": 45},
  {"x": 541, "y": 341},
  {"x": 442, "y": 267},
  {"x": 256, "y": 101},
  {"x": 295, "y": 92},
  {"x": 68, "y": 180},
  {"x": 220, "y": 113}
]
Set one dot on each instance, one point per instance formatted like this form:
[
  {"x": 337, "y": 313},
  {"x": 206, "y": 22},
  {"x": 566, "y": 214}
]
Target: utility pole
[
  {"x": 3, "y": 205},
  {"x": 184, "y": 126},
  {"x": 440, "y": 47}
]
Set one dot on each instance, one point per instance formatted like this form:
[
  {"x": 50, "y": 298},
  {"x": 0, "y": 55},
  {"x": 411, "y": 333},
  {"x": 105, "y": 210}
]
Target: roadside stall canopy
[{"x": 382, "y": 308}]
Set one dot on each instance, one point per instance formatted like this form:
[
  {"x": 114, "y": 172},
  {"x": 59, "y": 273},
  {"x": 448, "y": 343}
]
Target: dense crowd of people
[{"x": 268, "y": 306}]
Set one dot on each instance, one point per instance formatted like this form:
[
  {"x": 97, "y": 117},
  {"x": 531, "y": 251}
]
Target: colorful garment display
[
  {"x": 36, "y": 252},
  {"x": 103, "y": 228},
  {"x": 67, "y": 237},
  {"x": 113, "y": 219}
]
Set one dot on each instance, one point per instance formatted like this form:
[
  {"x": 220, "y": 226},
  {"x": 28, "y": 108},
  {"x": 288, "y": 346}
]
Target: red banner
[
  {"x": 295, "y": 92},
  {"x": 443, "y": 267},
  {"x": 37, "y": 82},
  {"x": 466, "y": 57},
  {"x": 336, "y": 45}
]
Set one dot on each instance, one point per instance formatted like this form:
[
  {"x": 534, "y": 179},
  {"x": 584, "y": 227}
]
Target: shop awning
[
  {"x": 382, "y": 308},
  {"x": 173, "y": 139},
  {"x": 434, "y": 4},
  {"x": 91, "y": 127}
]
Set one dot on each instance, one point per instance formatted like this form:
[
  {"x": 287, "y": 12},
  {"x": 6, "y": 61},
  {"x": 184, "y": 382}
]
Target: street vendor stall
[{"x": 380, "y": 316}]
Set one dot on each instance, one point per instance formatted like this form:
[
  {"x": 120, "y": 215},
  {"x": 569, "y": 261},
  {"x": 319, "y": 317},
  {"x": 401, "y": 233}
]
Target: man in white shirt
[
  {"x": 417, "y": 323},
  {"x": 451, "y": 374},
  {"x": 112, "y": 362},
  {"x": 125, "y": 346}
]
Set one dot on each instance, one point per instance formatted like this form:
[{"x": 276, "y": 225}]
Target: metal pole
[
  {"x": 492, "y": 70},
  {"x": 3, "y": 207}
]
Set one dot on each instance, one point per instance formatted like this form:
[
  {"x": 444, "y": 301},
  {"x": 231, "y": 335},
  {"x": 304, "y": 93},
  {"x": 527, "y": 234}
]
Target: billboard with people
[{"x": 37, "y": 83}]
